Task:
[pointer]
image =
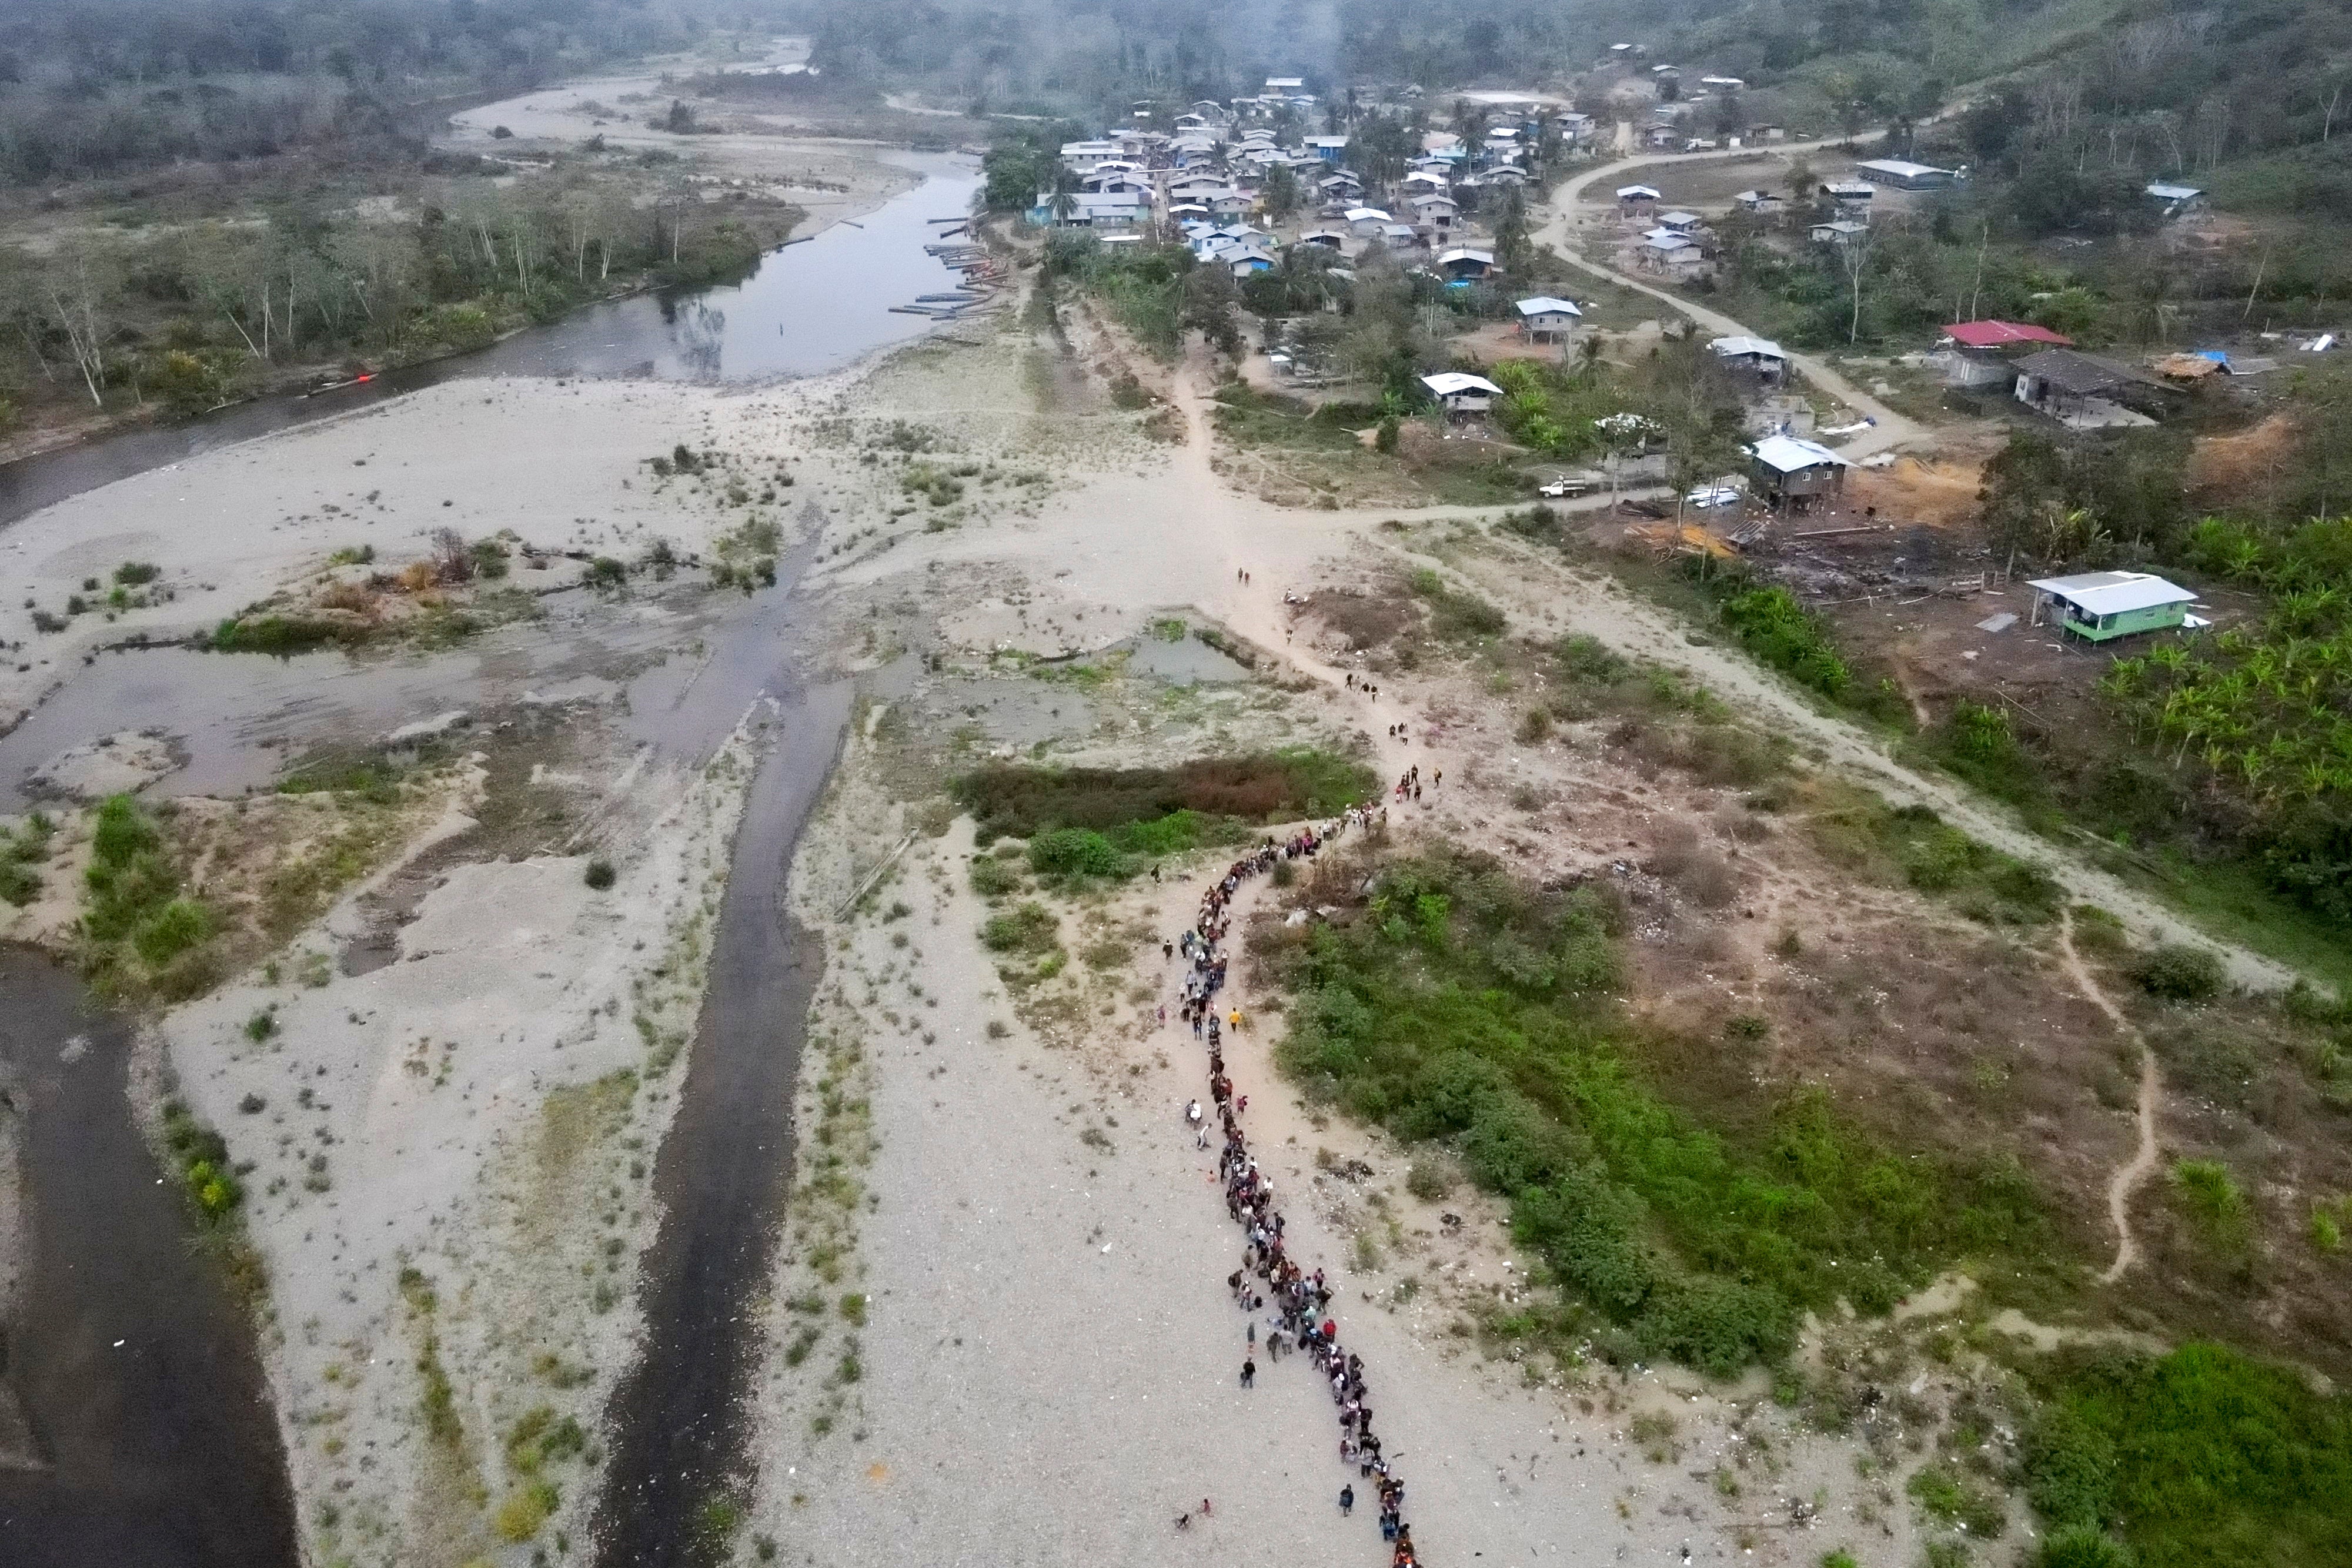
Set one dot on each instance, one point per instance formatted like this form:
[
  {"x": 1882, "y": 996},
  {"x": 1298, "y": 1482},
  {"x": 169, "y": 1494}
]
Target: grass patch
[
  {"x": 2213, "y": 1200},
  {"x": 1912, "y": 845},
  {"x": 281, "y": 636},
  {"x": 525, "y": 1510},
  {"x": 20, "y": 852},
  {"x": 1947, "y": 1498},
  {"x": 201, "y": 1156},
  {"x": 1030, "y": 929},
  {"x": 2199, "y": 1456},
  {"x": 1459, "y": 1006},
  {"x": 137, "y": 931},
  {"x": 993, "y": 876},
  {"x": 1455, "y": 615},
  {"x": 1159, "y": 811},
  {"x": 2179, "y": 974},
  {"x": 1247, "y": 418}
]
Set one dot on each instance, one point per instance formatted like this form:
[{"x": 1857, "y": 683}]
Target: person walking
[
  {"x": 1347, "y": 1501},
  {"x": 1249, "y": 1373}
]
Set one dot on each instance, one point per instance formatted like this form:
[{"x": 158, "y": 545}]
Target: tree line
[
  {"x": 91, "y": 88},
  {"x": 218, "y": 308}
]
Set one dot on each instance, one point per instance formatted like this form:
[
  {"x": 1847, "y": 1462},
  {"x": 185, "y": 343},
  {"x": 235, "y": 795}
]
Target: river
[
  {"x": 127, "y": 1352},
  {"x": 163, "y": 1449},
  {"x": 812, "y": 305}
]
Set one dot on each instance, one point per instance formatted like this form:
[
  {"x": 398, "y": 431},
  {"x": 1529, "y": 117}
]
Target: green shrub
[
  {"x": 2212, "y": 1198},
  {"x": 1455, "y": 616},
  {"x": 992, "y": 878},
  {"x": 20, "y": 852},
  {"x": 136, "y": 573},
  {"x": 1031, "y": 929},
  {"x": 1950, "y": 1498},
  {"x": 525, "y": 1510},
  {"x": 1075, "y": 852},
  {"x": 2070, "y": 1468},
  {"x": 1428, "y": 1180},
  {"x": 600, "y": 875},
  {"x": 1461, "y": 1006},
  {"x": 2220, "y": 1460},
  {"x": 280, "y": 636},
  {"x": 604, "y": 572},
  {"x": 2084, "y": 1546},
  {"x": 2180, "y": 973},
  {"x": 1134, "y": 806},
  {"x": 1775, "y": 628},
  {"x": 201, "y": 1155},
  {"x": 172, "y": 930},
  {"x": 122, "y": 832}
]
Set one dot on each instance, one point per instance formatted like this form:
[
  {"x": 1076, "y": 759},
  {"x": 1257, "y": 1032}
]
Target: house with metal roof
[
  {"x": 2175, "y": 200},
  {"x": 1982, "y": 354},
  {"x": 1792, "y": 472},
  {"x": 1676, "y": 255},
  {"x": 2103, "y": 605},
  {"x": 1461, "y": 395},
  {"x": 2081, "y": 393},
  {"x": 1545, "y": 319},
  {"x": 1760, "y": 355},
  {"x": 1898, "y": 174},
  {"x": 1461, "y": 265}
]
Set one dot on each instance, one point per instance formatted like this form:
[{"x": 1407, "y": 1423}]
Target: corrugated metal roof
[
  {"x": 2113, "y": 592},
  {"x": 1788, "y": 455},
  {"x": 1999, "y": 334}
]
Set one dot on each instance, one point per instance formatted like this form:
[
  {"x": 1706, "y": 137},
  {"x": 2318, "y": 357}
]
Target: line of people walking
[{"x": 1295, "y": 1301}]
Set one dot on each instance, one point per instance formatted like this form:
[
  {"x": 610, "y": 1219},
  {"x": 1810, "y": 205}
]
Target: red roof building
[{"x": 2004, "y": 335}]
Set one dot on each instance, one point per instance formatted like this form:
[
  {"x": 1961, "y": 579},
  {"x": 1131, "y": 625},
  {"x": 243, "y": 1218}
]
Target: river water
[
  {"x": 161, "y": 1448},
  {"x": 811, "y": 307},
  {"x": 129, "y": 1355}
]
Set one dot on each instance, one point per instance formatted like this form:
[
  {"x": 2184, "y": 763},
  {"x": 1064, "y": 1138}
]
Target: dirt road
[{"x": 1892, "y": 429}]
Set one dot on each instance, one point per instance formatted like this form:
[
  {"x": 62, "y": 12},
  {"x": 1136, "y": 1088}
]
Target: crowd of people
[{"x": 1296, "y": 1302}]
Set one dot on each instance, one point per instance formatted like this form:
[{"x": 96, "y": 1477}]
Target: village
[{"x": 1857, "y": 490}]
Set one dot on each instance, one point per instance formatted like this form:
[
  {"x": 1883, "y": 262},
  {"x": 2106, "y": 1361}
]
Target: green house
[{"x": 2102, "y": 605}]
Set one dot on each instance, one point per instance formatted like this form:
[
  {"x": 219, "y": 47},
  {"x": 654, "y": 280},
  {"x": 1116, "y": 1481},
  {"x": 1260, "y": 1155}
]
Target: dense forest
[{"x": 97, "y": 88}]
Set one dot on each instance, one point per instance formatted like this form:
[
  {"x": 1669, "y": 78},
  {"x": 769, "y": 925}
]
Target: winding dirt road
[{"x": 1892, "y": 429}]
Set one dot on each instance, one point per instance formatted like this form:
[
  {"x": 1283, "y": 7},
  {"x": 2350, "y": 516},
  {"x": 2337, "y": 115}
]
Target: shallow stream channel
[{"x": 135, "y": 1427}]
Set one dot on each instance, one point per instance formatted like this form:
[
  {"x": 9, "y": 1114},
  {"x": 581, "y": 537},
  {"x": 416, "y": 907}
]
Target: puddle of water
[
  {"x": 1184, "y": 663},
  {"x": 133, "y": 1364},
  {"x": 1015, "y": 711}
]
